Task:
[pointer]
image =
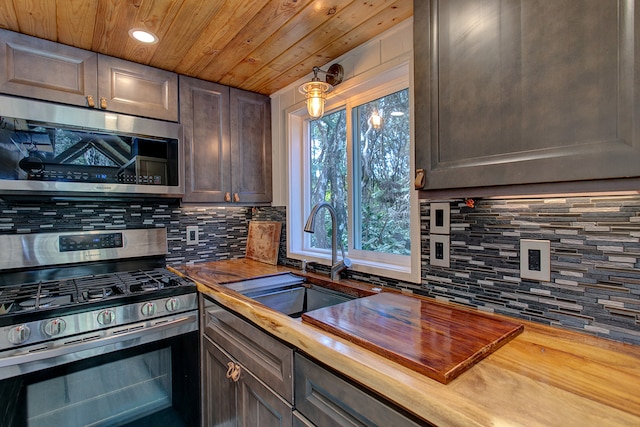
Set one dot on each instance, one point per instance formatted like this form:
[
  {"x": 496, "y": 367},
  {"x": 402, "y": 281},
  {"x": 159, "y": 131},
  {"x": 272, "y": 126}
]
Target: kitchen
[{"x": 593, "y": 237}]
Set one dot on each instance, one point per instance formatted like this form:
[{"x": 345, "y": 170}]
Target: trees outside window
[
  {"x": 379, "y": 199},
  {"x": 381, "y": 175}
]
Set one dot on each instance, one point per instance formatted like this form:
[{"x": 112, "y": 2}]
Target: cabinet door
[
  {"x": 265, "y": 356},
  {"x": 41, "y": 69},
  {"x": 204, "y": 114},
  {"x": 259, "y": 406},
  {"x": 327, "y": 400},
  {"x": 140, "y": 90},
  {"x": 520, "y": 92},
  {"x": 251, "y": 147},
  {"x": 218, "y": 392}
]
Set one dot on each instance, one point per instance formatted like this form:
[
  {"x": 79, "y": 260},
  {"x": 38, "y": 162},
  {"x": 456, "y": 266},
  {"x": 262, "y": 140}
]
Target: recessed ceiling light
[{"x": 143, "y": 35}]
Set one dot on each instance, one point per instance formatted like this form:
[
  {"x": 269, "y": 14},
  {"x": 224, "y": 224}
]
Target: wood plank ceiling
[{"x": 257, "y": 45}]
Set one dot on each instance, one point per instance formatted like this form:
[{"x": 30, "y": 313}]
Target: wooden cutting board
[
  {"x": 263, "y": 241},
  {"x": 435, "y": 339}
]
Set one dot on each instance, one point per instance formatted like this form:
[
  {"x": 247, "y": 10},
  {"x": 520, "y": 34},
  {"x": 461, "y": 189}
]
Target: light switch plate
[
  {"x": 535, "y": 259},
  {"x": 192, "y": 235},
  {"x": 439, "y": 215},
  {"x": 439, "y": 250}
]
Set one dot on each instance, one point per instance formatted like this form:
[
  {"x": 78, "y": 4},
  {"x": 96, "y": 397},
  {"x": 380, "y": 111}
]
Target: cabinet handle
[
  {"x": 420, "y": 179},
  {"x": 236, "y": 197},
  {"x": 230, "y": 367},
  {"x": 233, "y": 371},
  {"x": 103, "y": 102},
  {"x": 236, "y": 374},
  {"x": 227, "y": 197},
  {"x": 90, "y": 101}
]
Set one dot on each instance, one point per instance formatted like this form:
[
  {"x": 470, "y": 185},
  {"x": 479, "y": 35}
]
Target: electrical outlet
[
  {"x": 439, "y": 245},
  {"x": 440, "y": 218},
  {"x": 192, "y": 235},
  {"x": 535, "y": 259}
]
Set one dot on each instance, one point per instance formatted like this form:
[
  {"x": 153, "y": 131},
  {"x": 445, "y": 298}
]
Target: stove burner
[
  {"x": 98, "y": 293},
  {"x": 31, "y": 303},
  {"x": 144, "y": 285}
]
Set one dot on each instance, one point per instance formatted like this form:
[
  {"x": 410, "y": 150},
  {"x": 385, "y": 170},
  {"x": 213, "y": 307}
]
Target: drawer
[{"x": 328, "y": 400}]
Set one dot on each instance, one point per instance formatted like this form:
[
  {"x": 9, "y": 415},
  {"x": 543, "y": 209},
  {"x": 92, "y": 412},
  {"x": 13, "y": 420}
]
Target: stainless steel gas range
[{"x": 94, "y": 330}]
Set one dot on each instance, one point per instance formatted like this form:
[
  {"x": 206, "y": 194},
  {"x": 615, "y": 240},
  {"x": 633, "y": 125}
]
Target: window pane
[
  {"x": 382, "y": 167},
  {"x": 329, "y": 175}
]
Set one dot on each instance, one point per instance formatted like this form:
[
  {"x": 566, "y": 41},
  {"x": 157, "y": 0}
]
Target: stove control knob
[
  {"x": 106, "y": 317},
  {"x": 55, "y": 327},
  {"x": 172, "y": 304},
  {"x": 19, "y": 334},
  {"x": 148, "y": 309}
]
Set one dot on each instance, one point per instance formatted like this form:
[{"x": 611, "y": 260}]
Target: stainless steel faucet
[{"x": 336, "y": 266}]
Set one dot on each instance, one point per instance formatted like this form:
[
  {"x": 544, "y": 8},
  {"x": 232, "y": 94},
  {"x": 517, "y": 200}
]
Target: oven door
[{"x": 145, "y": 377}]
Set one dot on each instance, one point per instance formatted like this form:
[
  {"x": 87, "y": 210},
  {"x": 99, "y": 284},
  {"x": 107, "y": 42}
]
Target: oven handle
[{"x": 110, "y": 338}]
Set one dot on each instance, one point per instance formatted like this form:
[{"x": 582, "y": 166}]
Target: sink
[{"x": 288, "y": 293}]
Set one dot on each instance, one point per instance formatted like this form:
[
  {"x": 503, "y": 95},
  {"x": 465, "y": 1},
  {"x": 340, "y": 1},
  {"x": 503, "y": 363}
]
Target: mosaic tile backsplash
[
  {"x": 223, "y": 231},
  {"x": 595, "y": 251},
  {"x": 595, "y": 260}
]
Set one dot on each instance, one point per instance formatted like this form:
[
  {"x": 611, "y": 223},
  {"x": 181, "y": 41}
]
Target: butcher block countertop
[{"x": 542, "y": 377}]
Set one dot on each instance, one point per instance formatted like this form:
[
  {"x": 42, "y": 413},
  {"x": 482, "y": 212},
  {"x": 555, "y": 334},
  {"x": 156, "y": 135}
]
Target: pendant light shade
[{"x": 316, "y": 90}]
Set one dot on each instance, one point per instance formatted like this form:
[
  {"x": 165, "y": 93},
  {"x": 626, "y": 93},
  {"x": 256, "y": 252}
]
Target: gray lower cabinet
[
  {"x": 325, "y": 400},
  {"x": 245, "y": 401},
  {"x": 41, "y": 69},
  {"x": 247, "y": 375},
  {"x": 248, "y": 379},
  {"x": 526, "y": 91},
  {"x": 227, "y": 140}
]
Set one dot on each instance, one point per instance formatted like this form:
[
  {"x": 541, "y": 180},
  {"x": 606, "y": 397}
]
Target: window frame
[{"x": 382, "y": 81}]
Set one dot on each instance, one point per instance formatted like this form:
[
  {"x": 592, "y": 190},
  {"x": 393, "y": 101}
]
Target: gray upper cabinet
[
  {"x": 37, "y": 68},
  {"x": 42, "y": 69},
  {"x": 204, "y": 115},
  {"x": 227, "y": 140},
  {"x": 130, "y": 88},
  {"x": 250, "y": 146},
  {"x": 521, "y": 92}
]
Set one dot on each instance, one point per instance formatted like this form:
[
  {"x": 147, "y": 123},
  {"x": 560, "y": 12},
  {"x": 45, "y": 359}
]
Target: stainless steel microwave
[{"x": 52, "y": 149}]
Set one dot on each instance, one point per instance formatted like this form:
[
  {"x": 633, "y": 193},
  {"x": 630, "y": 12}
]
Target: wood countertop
[{"x": 543, "y": 377}]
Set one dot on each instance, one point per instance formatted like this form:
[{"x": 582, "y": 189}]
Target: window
[
  {"x": 357, "y": 157},
  {"x": 381, "y": 158}
]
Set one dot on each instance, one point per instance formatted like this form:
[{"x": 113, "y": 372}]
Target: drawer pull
[{"x": 233, "y": 371}]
